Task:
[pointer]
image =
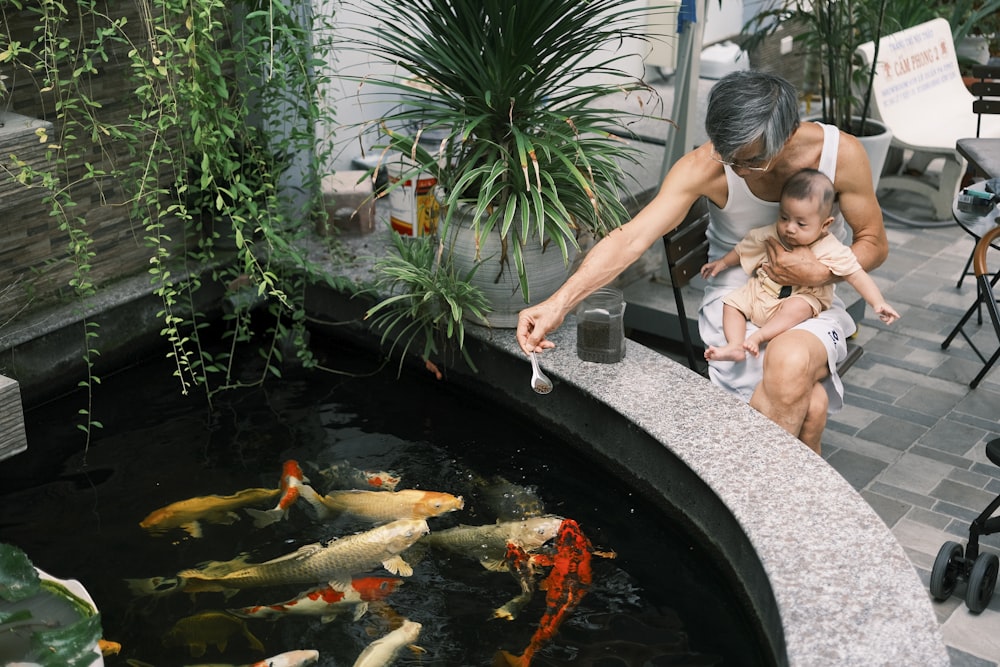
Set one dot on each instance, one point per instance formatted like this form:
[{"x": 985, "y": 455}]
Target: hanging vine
[{"x": 215, "y": 160}]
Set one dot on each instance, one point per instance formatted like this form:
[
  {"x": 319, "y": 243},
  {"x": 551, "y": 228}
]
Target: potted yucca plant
[{"x": 528, "y": 152}]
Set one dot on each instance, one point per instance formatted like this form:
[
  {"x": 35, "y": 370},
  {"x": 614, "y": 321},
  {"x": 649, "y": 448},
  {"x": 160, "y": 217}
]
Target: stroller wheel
[
  {"x": 982, "y": 581},
  {"x": 944, "y": 574}
]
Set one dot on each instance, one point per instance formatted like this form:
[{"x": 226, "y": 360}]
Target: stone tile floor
[{"x": 911, "y": 437}]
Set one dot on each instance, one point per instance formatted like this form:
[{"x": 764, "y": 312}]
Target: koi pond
[{"x": 659, "y": 601}]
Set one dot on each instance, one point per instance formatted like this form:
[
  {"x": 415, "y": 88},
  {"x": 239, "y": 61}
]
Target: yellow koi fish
[
  {"x": 383, "y": 651},
  {"x": 333, "y": 562},
  {"x": 207, "y": 628},
  {"x": 188, "y": 514},
  {"x": 381, "y": 506}
]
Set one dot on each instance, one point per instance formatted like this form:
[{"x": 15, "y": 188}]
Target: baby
[{"x": 804, "y": 217}]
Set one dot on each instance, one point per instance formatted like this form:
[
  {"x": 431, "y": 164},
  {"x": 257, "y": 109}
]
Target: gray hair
[
  {"x": 809, "y": 183},
  {"x": 747, "y": 106}
]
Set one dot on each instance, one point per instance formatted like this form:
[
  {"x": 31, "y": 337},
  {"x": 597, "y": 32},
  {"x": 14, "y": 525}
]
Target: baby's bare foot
[
  {"x": 730, "y": 352},
  {"x": 752, "y": 345}
]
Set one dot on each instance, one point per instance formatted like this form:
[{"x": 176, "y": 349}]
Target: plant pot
[
  {"x": 497, "y": 277},
  {"x": 876, "y": 142},
  {"x": 60, "y": 605}
]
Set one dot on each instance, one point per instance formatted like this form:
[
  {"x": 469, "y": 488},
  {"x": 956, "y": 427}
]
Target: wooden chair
[
  {"x": 984, "y": 297},
  {"x": 686, "y": 248}
]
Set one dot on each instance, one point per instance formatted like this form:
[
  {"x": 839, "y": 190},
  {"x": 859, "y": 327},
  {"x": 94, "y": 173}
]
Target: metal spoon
[{"x": 539, "y": 381}]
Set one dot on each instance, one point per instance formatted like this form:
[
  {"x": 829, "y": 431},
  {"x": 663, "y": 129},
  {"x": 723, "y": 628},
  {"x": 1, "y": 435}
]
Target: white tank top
[{"x": 745, "y": 211}]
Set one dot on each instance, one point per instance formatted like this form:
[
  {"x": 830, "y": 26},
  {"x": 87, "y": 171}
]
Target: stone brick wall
[{"x": 34, "y": 265}]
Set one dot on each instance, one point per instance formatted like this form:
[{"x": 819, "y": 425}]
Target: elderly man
[{"x": 756, "y": 142}]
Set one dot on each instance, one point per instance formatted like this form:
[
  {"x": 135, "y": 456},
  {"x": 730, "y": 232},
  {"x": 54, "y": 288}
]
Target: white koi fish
[
  {"x": 327, "y": 602},
  {"x": 292, "y": 480},
  {"x": 383, "y": 651},
  {"x": 299, "y": 658},
  {"x": 488, "y": 543},
  {"x": 381, "y": 506},
  {"x": 332, "y": 562}
]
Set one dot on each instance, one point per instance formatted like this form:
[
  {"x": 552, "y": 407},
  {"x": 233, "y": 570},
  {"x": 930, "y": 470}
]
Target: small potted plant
[
  {"x": 528, "y": 154},
  {"x": 835, "y": 73}
]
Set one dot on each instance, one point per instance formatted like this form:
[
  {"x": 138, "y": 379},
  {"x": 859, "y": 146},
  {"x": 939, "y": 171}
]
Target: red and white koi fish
[
  {"x": 327, "y": 602},
  {"x": 381, "y": 506},
  {"x": 292, "y": 480},
  {"x": 342, "y": 475},
  {"x": 299, "y": 658},
  {"x": 383, "y": 651},
  {"x": 188, "y": 514},
  {"x": 565, "y": 586},
  {"x": 334, "y": 562}
]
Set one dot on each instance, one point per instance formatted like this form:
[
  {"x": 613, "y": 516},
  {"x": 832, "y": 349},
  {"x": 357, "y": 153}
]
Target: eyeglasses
[{"x": 751, "y": 165}]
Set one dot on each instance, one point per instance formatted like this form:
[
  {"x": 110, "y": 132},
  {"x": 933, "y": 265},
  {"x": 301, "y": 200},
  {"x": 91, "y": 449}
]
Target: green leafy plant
[
  {"x": 526, "y": 141},
  {"x": 202, "y": 157},
  {"x": 423, "y": 301}
]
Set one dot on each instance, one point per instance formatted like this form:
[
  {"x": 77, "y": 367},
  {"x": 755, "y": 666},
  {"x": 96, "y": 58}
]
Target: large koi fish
[
  {"x": 327, "y": 602},
  {"x": 292, "y": 479},
  {"x": 333, "y": 562},
  {"x": 381, "y": 506},
  {"x": 565, "y": 586},
  {"x": 488, "y": 543},
  {"x": 188, "y": 514}
]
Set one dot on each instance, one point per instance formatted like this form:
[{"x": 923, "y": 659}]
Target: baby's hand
[{"x": 886, "y": 313}]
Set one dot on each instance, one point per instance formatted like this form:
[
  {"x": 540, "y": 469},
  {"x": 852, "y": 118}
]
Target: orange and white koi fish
[
  {"x": 206, "y": 628},
  {"x": 327, "y": 602},
  {"x": 383, "y": 651},
  {"x": 188, "y": 514},
  {"x": 381, "y": 506},
  {"x": 334, "y": 562},
  {"x": 342, "y": 475},
  {"x": 299, "y": 658},
  {"x": 567, "y": 583},
  {"x": 292, "y": 480},
  {"x": 488, "y": 543}
]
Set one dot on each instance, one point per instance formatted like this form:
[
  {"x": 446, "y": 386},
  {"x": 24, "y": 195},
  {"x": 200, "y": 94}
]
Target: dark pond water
[{"x": 660, "y": 602}]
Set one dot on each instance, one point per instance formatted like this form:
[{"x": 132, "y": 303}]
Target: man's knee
[{"x": 795, "y": 357}]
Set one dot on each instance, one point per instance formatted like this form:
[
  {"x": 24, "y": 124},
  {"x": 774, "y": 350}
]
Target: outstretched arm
[
  {"x": 694, "y": 175},
  {"x": 869, "y": 291}
]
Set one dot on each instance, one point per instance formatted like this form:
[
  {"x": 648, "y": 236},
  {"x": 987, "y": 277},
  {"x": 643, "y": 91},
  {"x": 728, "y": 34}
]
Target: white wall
[{"x": 354, "y": 104}]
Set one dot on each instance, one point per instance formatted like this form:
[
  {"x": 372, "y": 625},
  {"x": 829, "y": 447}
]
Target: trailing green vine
[{"x": 215, "y": 160}]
